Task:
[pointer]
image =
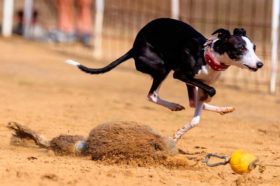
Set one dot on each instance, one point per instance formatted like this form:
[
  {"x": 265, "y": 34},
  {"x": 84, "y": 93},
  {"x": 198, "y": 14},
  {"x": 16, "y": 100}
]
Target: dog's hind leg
[
  {"x": 150, "y": 62},
  {"x": 154, "y": 97}
]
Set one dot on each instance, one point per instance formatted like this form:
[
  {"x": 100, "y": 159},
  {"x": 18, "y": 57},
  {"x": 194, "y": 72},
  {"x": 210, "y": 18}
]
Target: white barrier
[
  {"x": 274, "y": 42},
  {"x": 8, "y": 10},
  {"x": 99, "y": 13},
  {"x": 27, "y": 17},
  {"x": 175, "y": 9}
]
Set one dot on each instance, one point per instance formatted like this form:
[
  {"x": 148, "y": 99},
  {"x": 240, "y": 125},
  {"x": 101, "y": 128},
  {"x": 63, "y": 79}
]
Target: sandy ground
[{"x": 40, "y": 91}]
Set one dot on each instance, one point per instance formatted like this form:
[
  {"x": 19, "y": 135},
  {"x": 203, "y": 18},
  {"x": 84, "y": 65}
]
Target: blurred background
[{"x": 114, "y": 24}]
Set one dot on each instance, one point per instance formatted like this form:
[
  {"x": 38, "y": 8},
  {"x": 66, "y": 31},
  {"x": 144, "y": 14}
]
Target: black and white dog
[{"x": 165, "y": 45}]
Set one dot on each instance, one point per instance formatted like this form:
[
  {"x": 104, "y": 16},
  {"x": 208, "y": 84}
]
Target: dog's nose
[{"x": 259, "y": 64}]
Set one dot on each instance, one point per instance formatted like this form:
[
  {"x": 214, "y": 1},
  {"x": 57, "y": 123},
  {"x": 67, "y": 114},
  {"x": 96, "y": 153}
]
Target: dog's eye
[{"x": 242, "y": 48}]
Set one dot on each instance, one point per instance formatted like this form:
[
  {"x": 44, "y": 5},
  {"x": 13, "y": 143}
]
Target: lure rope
[
  {"x": 227, "y": 160},
  {"x": 208, "y": 157}
]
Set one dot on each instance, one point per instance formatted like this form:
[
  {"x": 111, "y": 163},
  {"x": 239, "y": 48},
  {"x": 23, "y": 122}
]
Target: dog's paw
[
  {"x": 175, "y": 107},
  {"x": 225, "y": 110}
]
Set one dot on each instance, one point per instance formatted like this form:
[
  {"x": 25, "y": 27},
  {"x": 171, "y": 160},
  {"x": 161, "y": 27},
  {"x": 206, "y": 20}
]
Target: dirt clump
[{"x": 130, "y": 143}]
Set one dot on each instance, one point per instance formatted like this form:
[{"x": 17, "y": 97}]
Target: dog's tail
[{"x": 107, "y": 68}]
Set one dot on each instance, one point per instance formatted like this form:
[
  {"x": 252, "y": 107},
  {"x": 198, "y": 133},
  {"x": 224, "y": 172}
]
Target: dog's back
[{"x": 169, "y": 35}]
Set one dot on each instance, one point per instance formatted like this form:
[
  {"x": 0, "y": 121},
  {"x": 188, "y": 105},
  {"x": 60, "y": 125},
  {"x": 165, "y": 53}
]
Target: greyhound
[{"x": 166, "y": 45}]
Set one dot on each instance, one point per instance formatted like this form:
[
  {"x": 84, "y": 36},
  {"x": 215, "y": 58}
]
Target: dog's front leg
[
  {"x": 205, "y": 98},
  {"x": 218, "y": 109},
  {"x": 195, "y": 120},
  {"x": 195, "y": 83}
]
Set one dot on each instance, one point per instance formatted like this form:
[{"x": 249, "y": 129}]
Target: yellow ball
[{"x": 242, "y": 162}]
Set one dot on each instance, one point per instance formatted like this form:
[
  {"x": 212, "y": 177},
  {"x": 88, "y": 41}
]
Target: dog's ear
[
  {"x": 220, "y": 46},
  {"x": 222, "y": 33},
  {"x": 239, "y": 32}
]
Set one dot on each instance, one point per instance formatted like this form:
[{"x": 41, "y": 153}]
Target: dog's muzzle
[{"x": 259, "y": 65}]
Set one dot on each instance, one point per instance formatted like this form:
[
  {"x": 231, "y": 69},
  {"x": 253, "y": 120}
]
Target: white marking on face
[{"x": 249, "y": 58}]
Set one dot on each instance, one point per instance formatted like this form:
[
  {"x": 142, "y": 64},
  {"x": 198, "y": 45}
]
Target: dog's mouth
[{"x": 251, "y": 68}]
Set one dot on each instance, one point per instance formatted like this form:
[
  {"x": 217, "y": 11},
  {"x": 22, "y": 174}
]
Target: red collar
[{"x": 211, "y": 61}]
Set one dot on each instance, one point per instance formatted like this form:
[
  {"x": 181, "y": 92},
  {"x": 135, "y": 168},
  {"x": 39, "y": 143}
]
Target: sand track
[{"x": 37, "y": 89}]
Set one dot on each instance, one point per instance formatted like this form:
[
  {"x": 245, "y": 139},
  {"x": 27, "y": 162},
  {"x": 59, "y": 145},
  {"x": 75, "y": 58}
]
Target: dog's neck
[
  {"x": 211, "y": 70},
  {"x": 210, "y": 59}
]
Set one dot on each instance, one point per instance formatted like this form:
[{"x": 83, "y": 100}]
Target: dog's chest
[{"x": 207, "y": 75}]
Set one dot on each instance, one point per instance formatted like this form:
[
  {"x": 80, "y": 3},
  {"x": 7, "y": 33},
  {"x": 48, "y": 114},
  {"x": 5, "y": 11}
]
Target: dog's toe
[
  {"x": 226, "y": 110},
  {"x": 176, "y": 107}
]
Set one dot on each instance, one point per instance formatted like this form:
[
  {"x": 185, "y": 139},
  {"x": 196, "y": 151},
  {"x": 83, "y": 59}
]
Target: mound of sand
[
  {"x": 114, "y": 142},
  {"x": 132, "y": 143}
]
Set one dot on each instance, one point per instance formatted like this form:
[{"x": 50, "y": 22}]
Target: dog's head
[{"x": 236, "y": 49}]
